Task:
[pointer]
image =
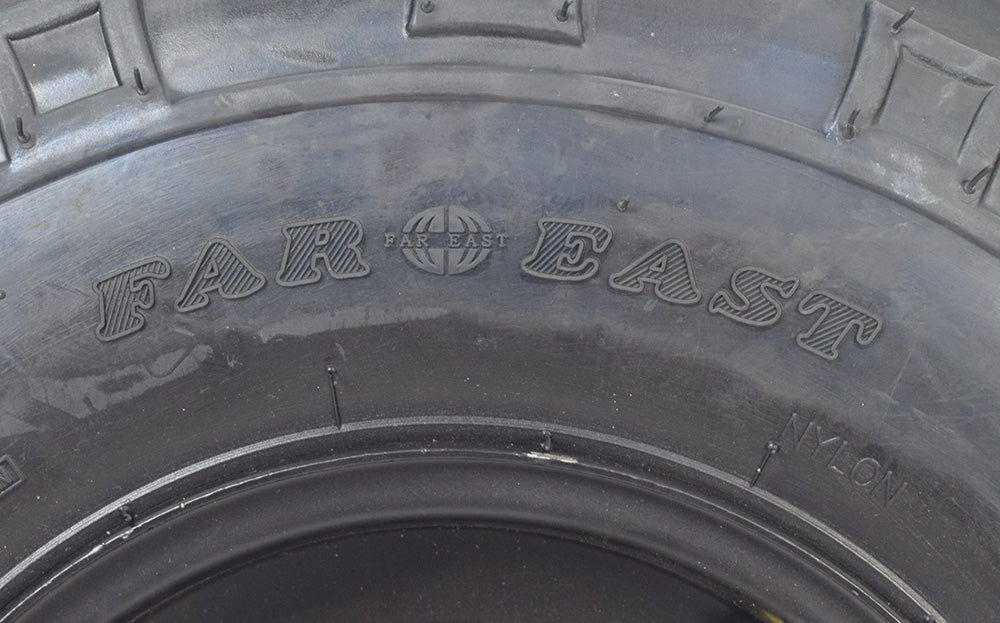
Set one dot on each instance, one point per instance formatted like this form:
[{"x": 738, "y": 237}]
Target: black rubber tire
[{"x": 688, "y": 294}]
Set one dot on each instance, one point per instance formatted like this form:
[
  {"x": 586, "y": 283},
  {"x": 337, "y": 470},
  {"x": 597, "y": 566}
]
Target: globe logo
[{"x": 446, "y": 240}]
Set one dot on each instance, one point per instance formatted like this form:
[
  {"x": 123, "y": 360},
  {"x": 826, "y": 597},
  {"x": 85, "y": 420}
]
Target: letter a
[
  {"x": 220, "y": 268},
  {"x": 667, "y": 268}
]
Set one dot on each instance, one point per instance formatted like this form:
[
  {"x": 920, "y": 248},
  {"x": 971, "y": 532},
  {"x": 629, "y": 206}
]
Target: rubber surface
[{"x": 247, "y": 223}]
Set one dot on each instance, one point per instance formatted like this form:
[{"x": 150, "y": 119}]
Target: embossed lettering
[
  {"x": 756, "y": 303},
  {"x": 333, "y": 243},
  {"x": 881, "y": 485},
  {"x": 836, "y": 455},
  {"x": 821, "y": 442},
  {"x": 446, "y": 240},
  {"x": 889, "y": 494},
  {"x": 837, "y": 319},
  {"x": 865, "y": 471},
  {"x": 792, "y": 425},
  {"x": 667, "y": 268},
  {"x": 220, "y": 268},
  {"x": 560, "y": 253},
  {"x": 122, "y": 296}
]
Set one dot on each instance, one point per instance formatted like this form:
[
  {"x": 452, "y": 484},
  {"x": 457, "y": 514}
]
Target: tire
[{"x": 464, "y": 310}]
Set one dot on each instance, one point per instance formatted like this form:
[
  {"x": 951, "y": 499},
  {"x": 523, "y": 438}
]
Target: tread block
[
  {"x": 930, "y": 105},
  {"x": 555, "y": 21},
  {"x": 65, "y": 63},
  {"x": 914, "y": 89},
  {"x": 10, "y": 474}
]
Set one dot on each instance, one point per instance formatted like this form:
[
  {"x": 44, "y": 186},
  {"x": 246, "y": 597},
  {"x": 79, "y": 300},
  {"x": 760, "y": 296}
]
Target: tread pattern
[
  {"x": 65, "y": 63},
  {"x": 912, "y": 87},
  {"x": 936, "y": 160},
  {"x": 545, "y": 20}
]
